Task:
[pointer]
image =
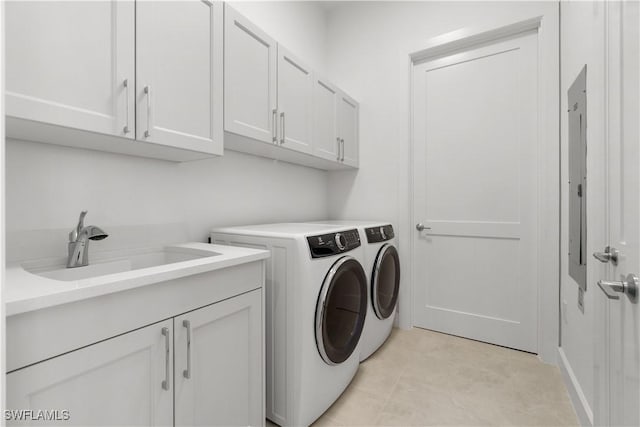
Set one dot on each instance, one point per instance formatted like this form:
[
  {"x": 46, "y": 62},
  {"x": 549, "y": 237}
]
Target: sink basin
[{"x": 105, "y": 265}]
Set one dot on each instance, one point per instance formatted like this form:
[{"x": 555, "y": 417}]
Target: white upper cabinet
[
  {"x": 67, "y": 64},
  {"x": 250, "y": 64},
  {"x": 348, "y": 110},
  {"x": 149, "y": 70},
  {"x": 295, "y": 106},
  {"x": 275, "y": 107},
  {"x": 179, "y": 74},
  {"x": 326, "y": 143}
]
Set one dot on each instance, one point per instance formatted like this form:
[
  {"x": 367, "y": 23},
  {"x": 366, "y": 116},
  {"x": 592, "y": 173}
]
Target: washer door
[
  {"x": 385, "y": 281},
  {"x": 341, "y": 310}
]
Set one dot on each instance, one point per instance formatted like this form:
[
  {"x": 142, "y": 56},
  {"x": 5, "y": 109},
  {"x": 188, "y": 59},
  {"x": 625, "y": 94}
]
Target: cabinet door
[
  {"x": 67, "y": 64},
  {"x": 179, "y": 74},
  {"x": 218, "y": 366},
  {"x": 250, "y": 79},
  {"x": 295, "y": 107},
  {"x": 115, "y": 382},
  {"x": 325, "y": 120},
  {"x": 348, "y": 129}
]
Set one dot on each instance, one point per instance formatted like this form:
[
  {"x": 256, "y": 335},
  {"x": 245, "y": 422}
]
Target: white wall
[
  {"x": 582, "y": 40},
  {"x": 368, "y": 50},
  {"x": 47, "y": 186}
]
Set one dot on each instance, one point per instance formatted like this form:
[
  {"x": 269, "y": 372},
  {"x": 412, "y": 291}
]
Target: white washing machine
[
  {"x": 316, "y": 304},
  {"x": 382, "y": 264}
]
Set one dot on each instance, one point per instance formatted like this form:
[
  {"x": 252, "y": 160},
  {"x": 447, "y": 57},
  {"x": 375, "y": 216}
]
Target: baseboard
[{"x": 578, "y": 399}]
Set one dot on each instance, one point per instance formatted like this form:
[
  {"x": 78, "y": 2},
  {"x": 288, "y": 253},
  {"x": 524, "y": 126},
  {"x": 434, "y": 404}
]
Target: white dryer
[
  {"x": 316, "y": 304},
  {"x": 382, "y": 264}
]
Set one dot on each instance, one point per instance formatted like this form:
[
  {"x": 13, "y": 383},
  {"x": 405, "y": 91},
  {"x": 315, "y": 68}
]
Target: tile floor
[{"x": 420, "y": 378}]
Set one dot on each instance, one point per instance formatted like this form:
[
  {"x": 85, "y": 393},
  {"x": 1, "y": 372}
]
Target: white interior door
[
  {"x": 618, "y": 313},
  {"x": 295, "y": 96},
  {"x": 475, "y": 192},
  {"x": 179, "y": 74}
]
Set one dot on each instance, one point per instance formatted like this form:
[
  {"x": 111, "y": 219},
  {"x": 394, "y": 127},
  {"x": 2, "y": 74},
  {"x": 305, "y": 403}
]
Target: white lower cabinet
[
  {"x": 114, "y": 382},
  {"x": 209, "y": 360},
  {"x": 218, "y": 364}
]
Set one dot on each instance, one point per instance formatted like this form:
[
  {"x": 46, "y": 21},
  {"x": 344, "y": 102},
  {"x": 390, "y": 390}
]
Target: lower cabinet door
[
  {"x": 126, "y": 380},
  {"x": 218, "y": 364}
]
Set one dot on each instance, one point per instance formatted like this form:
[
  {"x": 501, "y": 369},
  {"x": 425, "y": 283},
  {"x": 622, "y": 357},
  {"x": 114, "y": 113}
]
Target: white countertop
[{"x": 26, "y": 291}]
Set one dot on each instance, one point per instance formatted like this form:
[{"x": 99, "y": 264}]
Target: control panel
[
  {"x": 333, "y": 243},
  {"x": 379, "y": 234}
]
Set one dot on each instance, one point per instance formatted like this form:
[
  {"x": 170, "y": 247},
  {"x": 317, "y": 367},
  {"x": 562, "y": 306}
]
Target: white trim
[
  {"x": 578, "y": 399},
  {"x": 466, "y": 38},
  {"x": 548, "y": 274}
]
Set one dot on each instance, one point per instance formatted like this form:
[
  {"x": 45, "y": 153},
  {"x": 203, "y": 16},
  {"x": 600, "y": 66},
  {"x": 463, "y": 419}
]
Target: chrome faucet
[{"x": 79, "y": 242}]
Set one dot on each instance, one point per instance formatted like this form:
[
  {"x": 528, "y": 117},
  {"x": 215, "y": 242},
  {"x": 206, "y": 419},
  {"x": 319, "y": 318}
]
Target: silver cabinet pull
[
  {"x": 187, "y": 372},
  {"x": 629, "y": 286},
  {"x": 609, "y": 255},
  {"x": 274, "y": 129},
  {"x": 420, "y": 227},
  {"x": 126, "y": 129},
  {"x": 338, "y": 140},
  {"x": 281, "y": 128},
  {"x": 342, "y": 143},
  {"x": 166, "y": 384},
  {"x": 147, "y": 91}
]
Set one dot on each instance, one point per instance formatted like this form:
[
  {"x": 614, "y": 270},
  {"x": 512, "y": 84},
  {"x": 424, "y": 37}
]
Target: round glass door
[
  {"x": 341, "y": 310},
  {"x": 385, "y": 281}
]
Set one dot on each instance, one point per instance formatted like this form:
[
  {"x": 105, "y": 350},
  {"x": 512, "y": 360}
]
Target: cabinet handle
[
  {"x": 274, "y": 127},
  {"x": 282, "y": 128},
  {"x": 338, "y": 140},
  {"x": 342, "y": 143},
  {"x": 166, "y": 384},
  {"x": 187, "y": 372},
  {"x": 147, "y": 91},
  {"x": 126, "y": 129}
]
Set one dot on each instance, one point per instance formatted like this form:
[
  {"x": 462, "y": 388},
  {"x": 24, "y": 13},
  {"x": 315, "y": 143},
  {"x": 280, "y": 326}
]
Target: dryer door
[
  {"x": 385, "y": 281},
  {"x": 341, "y": 310}
]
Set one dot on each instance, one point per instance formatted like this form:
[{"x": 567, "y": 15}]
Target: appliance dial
[
  {"x": 384, "y": 236},
  {"x": 341, "y": 242}
]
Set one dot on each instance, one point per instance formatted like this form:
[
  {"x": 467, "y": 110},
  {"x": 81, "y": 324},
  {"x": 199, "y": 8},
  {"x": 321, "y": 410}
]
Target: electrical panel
[{"x": 577, "y": 97}]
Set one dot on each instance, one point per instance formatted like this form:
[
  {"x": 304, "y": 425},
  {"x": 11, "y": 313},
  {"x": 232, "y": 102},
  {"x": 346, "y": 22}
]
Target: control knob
[
  {"x": 341, "y": 242},
  {"x": 384, "y": 236}
]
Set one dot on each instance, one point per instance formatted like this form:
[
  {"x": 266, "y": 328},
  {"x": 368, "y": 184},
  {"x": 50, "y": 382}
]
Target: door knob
[
  {"x": 420, "y": 227},
  {"x": 628, "y": 286},
  {"x": 609, "y": 254}
]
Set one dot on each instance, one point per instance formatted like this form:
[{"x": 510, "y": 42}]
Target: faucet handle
[{"x": 73, "y": 234}]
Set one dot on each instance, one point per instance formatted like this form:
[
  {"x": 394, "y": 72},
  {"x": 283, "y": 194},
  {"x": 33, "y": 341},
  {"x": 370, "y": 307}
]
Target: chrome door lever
[
  {"x": 629, "y": 286},
  {"x": 609, "y": 254},
  {"x": 420, "y": 227}
]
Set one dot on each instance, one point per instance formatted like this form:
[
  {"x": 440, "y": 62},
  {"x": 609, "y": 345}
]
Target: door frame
[{"x": 548, "y": 227}]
